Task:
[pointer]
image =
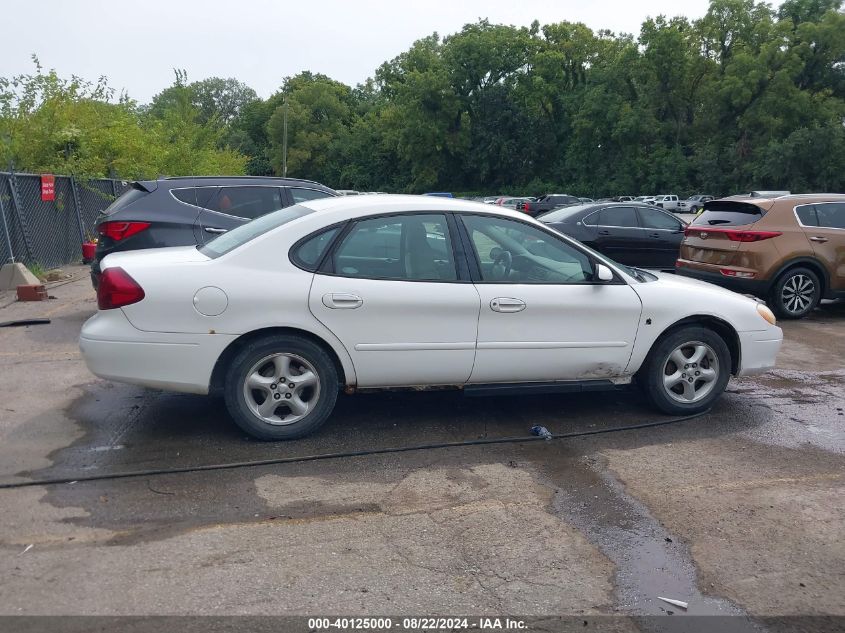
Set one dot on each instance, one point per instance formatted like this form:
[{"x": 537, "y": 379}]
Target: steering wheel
[{"x": 502, "y": 264}]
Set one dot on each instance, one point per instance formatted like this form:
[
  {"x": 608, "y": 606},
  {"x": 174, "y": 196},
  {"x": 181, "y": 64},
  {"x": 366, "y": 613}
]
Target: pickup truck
[
  {"x": 547, "y": 203},
  {"x": 694, "y": 204},
  {"x": 668, "y": 202}
]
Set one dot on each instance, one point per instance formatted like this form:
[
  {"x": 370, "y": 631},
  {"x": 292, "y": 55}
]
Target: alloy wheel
[
  {"x": 797, "y": 293},
  {"x": 282, "y": 388},
  {"x": 690, "y": 372}
]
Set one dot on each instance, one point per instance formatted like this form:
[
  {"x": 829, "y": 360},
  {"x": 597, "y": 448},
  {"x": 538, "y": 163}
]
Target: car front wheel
[
  {"x": 796, "y": 294},
  {"x": 686, "y": 370},
  {"x": 281, "y": 387}
]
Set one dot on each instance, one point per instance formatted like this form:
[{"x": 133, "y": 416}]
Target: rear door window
[
  {"x": 618, "y": 216},
  {"x": 728, "y": 213},
  {"x": 197, "y": 196},
  {"x": 654, "y": 219},
  {"x": 831, "y": 215},
  {"x": 247, "y": 202},
  {"x": 807, "y": 215},
  {"x": 411, "y": 247}
]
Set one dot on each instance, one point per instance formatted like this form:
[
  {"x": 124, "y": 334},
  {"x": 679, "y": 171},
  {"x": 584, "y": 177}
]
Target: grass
[{"x": 38, "y": 270}]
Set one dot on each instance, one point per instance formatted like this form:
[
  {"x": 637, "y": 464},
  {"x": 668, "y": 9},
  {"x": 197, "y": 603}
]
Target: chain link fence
[{"x": 51, "y": 233}]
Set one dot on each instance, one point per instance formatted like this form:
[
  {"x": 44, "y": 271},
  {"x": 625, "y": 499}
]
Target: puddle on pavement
[{"x": 650, "y": 561}]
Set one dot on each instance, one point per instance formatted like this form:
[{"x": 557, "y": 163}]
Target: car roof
[
  {"x": 347, "y": 207},
  {"x": 591, "y": 207},
  {"x": 806, "y": 197},
  {"x": 174, "y": 182}
]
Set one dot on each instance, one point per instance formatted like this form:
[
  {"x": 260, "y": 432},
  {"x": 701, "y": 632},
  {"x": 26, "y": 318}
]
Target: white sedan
[{"x": 409, "y": 291}]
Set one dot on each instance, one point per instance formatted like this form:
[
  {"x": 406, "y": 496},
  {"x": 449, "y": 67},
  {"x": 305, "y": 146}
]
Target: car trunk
[{"x": 710, "y": 239}]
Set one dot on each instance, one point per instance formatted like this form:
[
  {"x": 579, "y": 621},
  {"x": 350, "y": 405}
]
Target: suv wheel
[
  {"x": 686, "y": 370},
  {"x": 795, "y": 294},
  {"x": 281, "y": 388}
]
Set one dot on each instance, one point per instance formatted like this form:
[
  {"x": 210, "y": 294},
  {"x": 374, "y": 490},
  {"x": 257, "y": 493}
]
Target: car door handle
[
  {"x": 507, "y": 304},
  {"x": 604, "y": 232},
  {"x": 818, "y": 238},
  {"x": 214, "y": 229},
  {"x": 342, "y": 301},
  {"x": 655, "y": 234}
]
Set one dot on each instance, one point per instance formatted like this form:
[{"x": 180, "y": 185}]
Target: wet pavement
[{"x": 737, "y": 512}]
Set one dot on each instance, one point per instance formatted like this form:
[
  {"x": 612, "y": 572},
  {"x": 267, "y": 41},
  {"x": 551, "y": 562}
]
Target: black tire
[
  {"x": 651, "y": 375},
  {"x": 253, "y": 353},
  {"x": 782, "y": 306}
]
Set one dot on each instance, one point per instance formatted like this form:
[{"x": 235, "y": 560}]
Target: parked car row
[
  {"x": 670, "y": 202},
  {"x": 785, "y": 249}
]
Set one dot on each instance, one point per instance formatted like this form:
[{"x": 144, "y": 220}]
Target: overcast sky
[{"x": 137, "y": 44}]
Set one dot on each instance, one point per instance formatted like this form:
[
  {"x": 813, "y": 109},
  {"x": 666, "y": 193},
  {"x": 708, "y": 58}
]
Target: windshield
[{"x": 249, "y": 231}]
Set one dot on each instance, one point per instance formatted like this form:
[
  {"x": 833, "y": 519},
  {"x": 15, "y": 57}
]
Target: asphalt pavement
[{"x": 740, "y": 511}]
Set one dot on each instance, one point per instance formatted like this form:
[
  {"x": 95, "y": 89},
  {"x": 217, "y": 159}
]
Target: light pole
[{"x": 285, "y": 141}]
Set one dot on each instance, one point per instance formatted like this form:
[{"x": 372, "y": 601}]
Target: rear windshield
[
  {"x": 728, "y": 213},
  {"x": 247, "y": 232},
  {"x": 558, "y": 215},
  {"x": 124, "y": 200}
]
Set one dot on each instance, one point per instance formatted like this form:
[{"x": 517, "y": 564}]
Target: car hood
[
  {"x": 672, "y": 280},
  {"x": 154, "y": 256}
]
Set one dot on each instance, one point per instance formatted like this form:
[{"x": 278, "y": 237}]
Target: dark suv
[
  {"x": 192, "y": 210},
  {"x": 547, "y": 203}
]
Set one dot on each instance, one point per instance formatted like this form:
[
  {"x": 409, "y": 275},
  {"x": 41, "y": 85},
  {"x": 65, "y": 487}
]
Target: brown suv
[{"x": 789, "y": 250}]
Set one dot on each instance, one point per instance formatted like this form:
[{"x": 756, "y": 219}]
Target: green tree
[
  {"x": 319, "y": 113},
  {"x": 51, "y": 124}
]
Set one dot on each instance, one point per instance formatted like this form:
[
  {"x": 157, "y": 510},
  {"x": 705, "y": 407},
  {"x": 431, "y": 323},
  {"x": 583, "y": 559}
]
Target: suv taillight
[
  {"x": 121, "y": 230},
  {"x": 117, "y": 289},
  {"x": 734, "y": 235}
]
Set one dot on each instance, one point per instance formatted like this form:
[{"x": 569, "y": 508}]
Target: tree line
[{"x": 747, "y": 97}]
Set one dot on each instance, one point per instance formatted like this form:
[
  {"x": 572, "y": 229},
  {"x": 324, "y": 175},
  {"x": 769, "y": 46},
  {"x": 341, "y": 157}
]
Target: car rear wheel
[
  {"x": 796, "y": 294},
  {"x": 686, "y": 371},
  {"x": 281, "y": 387}
]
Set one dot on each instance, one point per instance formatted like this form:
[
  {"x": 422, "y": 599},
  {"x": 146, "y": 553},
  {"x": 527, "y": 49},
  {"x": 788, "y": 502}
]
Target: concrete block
[{"x": 14, "y": 275}]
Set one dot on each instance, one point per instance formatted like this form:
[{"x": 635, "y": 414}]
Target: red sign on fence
[{"x": 48, "y": 187}]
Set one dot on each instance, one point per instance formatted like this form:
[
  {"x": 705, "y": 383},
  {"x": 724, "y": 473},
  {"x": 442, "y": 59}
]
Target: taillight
[
  {"x": 117, "y": 289},
  {"x": 121, "y": 230},
  {"x": 734, "y": 235}
]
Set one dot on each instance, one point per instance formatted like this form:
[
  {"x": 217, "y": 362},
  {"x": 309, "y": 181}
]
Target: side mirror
[{"x": 603, "y": 273}]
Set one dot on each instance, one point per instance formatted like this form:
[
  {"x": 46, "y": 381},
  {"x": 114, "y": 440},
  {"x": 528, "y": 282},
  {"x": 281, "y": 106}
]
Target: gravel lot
[{"x": 739, "y": 512}]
